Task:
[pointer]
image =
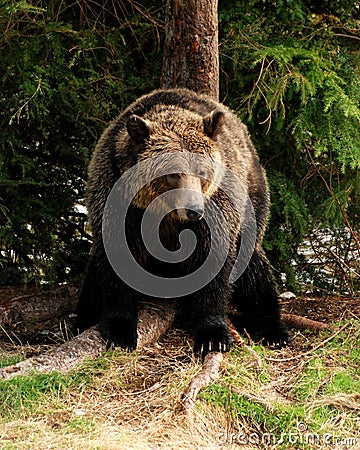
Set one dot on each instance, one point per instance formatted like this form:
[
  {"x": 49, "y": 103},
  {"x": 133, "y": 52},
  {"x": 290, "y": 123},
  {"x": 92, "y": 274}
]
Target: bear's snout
[
  {"x": 194, "y": 212},
  {"x": 190, "y": 213},
  {"x": 189, "y": 199}
]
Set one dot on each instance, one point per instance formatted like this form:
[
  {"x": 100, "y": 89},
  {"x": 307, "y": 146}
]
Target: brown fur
[
  {"x": 180, "y": 123},
  {"x": 168, "y": 122}
]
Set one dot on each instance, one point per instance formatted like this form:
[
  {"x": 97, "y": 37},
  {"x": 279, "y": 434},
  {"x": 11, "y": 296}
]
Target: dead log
[
  {"x": 154, "y": 320},
  {"x": 61, "y": 358},
  {"x": 303, "y": 323}
]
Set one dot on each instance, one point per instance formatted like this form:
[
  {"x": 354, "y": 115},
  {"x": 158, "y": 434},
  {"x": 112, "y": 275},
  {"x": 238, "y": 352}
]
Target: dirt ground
[{"x": 329, "y": 309}]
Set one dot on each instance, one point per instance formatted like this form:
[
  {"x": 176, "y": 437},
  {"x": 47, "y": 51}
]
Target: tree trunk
[{"x": 191, "y": 57}]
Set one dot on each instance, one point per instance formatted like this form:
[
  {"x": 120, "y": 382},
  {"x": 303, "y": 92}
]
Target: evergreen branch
[
  {"x": 19, "y": 111},
  {"x": 335, "y": 197}
]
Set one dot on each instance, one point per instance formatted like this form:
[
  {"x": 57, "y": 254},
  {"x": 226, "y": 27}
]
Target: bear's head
[{"x": 182, "y": 156}]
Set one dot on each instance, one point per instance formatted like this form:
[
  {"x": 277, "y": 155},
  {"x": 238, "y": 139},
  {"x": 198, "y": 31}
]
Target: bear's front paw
[
  {"x": 273, "y": 335},
  {"x": 215, "y": 338},
  {"x": 119, "y": 332}
]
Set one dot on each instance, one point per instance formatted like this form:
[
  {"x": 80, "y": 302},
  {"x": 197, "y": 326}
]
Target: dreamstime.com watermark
[
  {"x": 129, "y": 189},
  {"x": 300, "y": 435}
]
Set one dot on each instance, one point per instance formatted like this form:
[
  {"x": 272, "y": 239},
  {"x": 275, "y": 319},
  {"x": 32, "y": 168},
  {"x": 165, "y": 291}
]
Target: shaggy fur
[{"x": 180, "y": 121}]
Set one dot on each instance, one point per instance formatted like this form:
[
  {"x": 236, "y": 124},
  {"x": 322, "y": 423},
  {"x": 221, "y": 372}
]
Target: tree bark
[
  {"x": 154, "y": 320},
  {"x": 191, "y": 57},
  {"x": 303, "y": 323},
  {"x": 209, "y": 373}
]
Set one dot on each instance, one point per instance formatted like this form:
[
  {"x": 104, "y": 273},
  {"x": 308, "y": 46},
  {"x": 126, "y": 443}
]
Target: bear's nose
[{"x": 194, "y": 212}]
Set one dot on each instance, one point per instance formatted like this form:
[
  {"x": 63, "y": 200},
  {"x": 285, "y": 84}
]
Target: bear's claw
[
  {"x": 119, "y": 333},
  {"x": 212, "y": 339},
  {"x": 275, "y": 336},
  {"x": 126, "y": 344}
]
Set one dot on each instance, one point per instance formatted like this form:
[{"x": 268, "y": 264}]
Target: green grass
[
  {"x": 81, "y": 425},
  {"x": 26, "y": 395},
  {"x": 10, "y": 359},
  {"x": 320, "y": 387},
  {"x": 300, "y": 399}
]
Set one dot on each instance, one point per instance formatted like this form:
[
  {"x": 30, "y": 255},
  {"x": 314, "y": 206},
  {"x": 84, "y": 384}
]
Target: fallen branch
[
  {"x": 154, "y": 320},
  {"x": 252, "y": 398},
  {"x": 62, "y": 358},
  {"x": 302, "y": 323},
  {"x": 208, "y": 374}
]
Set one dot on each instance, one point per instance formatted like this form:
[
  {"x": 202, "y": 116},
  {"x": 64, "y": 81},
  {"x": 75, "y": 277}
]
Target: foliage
[
  {"x": 292, "y": 71},
  {"x": 67, "y": 68},
  {"x": 290, "y": 68}
]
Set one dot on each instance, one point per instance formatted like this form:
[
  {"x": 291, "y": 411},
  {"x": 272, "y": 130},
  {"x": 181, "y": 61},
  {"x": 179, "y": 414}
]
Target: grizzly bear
[{"x": 195, "y": 162}]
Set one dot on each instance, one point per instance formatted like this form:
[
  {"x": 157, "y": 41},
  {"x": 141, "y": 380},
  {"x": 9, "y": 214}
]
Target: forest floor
[{"x": 306, "y": 396}]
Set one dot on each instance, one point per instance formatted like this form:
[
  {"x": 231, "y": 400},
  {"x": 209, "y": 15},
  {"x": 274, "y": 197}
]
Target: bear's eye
[
  {"x": 202, "y": 173},
  {"x": 174, "y": 176}
]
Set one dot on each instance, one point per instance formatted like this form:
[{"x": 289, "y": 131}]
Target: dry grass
[
  {"x": 134, "y": 401},
  {"x": 131, "y": 401}
]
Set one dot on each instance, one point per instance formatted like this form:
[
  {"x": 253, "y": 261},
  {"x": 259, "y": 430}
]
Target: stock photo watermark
[
  {"x": 299, "y": 435},
  {"x": 177, "y": 200}
]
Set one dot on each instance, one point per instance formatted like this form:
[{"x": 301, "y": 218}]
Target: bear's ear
[
  {"x": 138, "y": 128},
  {"x": 213, "y": 123}
]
